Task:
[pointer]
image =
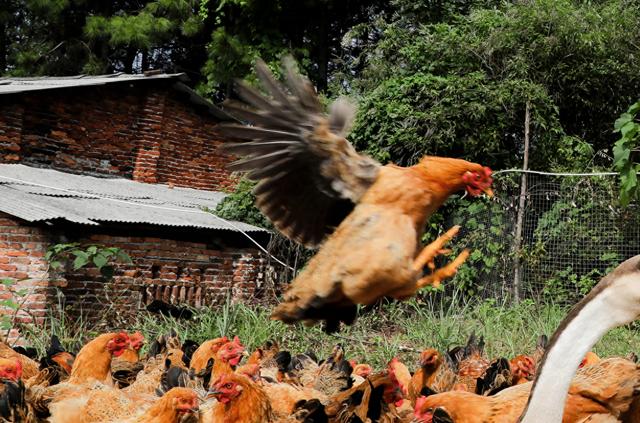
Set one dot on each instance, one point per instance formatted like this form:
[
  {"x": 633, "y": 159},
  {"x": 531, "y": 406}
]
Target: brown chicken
[
  {"x": 227, "y": 359},
  {"x": 239, "y": 400},
  {"x": 176, "y": 406},
  {"x": 94, "y": 359},
  {"x": 110, "y": 405},
  {"x": 372, "y": 401},
  {"x": 436, "y": 374},
  {"x": 312, "y": 182},
  {"x": 132, "y": 354},
  {"x": 601, "y": 392},
  {"x": 10, "y": 369},
  {"x": 29, "y": 367},
  {"x": 206, "y": 351},
  {"x": 471, "y": 364}
]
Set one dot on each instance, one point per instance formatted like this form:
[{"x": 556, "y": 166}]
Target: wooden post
[{"x": 517, "y": 274}]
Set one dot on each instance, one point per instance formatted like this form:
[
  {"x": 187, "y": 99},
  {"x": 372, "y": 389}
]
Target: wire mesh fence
[{"x": 569, "y": 232}]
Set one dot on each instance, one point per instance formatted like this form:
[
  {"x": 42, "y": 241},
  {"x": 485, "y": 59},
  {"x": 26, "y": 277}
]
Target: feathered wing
[{"x": 309, "y": 174}]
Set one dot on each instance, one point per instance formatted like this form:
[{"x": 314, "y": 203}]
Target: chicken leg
[{"x": 430, "y": 252}]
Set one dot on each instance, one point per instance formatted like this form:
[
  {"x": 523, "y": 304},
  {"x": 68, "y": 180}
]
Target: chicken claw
[
  {"x": 445, "y": 272},
  {"x": 429, "y": 253}
]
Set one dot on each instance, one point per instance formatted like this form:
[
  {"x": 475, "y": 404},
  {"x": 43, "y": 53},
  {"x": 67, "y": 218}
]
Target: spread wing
[{"x": 309, "y": 174}]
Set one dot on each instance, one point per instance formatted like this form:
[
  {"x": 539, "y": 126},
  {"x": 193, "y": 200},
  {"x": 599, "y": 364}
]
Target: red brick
[{"x": 16, "y": 253}]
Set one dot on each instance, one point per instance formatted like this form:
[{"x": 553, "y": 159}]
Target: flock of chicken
[
  {"x": 109, "y": 381},
  {"x": 368, "y": 220}
]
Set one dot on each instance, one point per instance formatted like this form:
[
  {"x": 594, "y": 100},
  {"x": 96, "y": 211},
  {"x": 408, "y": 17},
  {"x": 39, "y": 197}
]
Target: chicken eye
[{"x": 228, "y": 386}]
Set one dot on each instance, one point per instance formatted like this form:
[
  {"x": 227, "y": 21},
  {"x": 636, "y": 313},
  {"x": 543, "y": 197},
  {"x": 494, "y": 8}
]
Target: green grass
[{"x": 377, "y": 335}]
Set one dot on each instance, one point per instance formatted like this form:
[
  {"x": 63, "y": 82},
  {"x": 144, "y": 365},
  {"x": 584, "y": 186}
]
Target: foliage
[
  {"x": 240, "y": 206},
  {"x": 377, "y": 337},
  {"x": 458, "y": 87},
  {"x": 246, "y": 29},
  {"x": 59, "y": 256},
  {"x": 485, "y": 232},
  {"x": 406, "y": 117},
  {"x": 628, "y": 125},
  {"x": 52, "y": 37},
  {"x": 86, "y": 255},
  {"x": 13, "y": 303},
  {"x": 571, "y": 252}
]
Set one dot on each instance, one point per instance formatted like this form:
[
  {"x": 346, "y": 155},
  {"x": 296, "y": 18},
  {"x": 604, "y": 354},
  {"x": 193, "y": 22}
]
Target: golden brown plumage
[
  {"x": 436, "y": 374},
  {"x": 471, "y": 364},
  {"x": 206, "y": 351},
  {"x": 312, "y": 181},
  {"x": 239, "y": 400},
  {"x": 93, "y": 362},
  {"x": 29, "y": 367},
  {"x": 598, "y": 392}
]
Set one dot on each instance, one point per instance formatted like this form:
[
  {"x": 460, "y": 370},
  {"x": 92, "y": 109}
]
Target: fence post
[{"x": 517, "y": 274}]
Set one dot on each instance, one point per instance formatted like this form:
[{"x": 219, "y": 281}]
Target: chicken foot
[{"x": 427, "y": 258}]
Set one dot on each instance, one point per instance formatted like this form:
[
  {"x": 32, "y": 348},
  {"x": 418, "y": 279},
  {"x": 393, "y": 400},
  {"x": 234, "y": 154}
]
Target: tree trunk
[
  {"x": 3, "y": 48},
  {"x": 323, "y": 49},
  {"x": 517, "y": 274}
]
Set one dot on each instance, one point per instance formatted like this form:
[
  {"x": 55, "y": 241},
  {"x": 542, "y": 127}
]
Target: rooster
[{"x": 314, "y": 185}]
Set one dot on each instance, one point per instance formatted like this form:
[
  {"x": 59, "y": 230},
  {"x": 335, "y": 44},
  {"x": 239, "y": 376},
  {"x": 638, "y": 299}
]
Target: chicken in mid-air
[{"x": 314, "y": 185}]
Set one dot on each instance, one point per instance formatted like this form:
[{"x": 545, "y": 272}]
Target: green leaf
[
  {"x": 635, "y": 108},
  {"x": 124, "y": 257},
  {"x": 55, "y": 264},
  {"x": 9, "y": 304},
  {"x": 92, "y": 249},
  {"x": 7, "y": 282},
  {"x": 100, "y": 260},
  {"x": 622, "y": 120},
  {"x": 80, "y": 261},
  {"x": 629, "y": 129}
]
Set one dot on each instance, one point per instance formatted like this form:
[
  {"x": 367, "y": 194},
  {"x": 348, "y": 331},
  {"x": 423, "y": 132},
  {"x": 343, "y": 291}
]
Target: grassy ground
[{"x": 377, "y": 335}]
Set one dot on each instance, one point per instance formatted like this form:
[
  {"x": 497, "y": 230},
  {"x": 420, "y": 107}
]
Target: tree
[
  {"x": 460, "y": 85},
  {"x": 66, "y": 37},
  {"x": 625, "y": 153}
]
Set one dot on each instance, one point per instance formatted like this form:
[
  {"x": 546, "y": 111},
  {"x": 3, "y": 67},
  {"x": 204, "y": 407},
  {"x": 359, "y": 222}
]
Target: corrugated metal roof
[
  {"x": 18, "y": 85},
  {"x": 36, "y": 195},
  {"x": 21, "y": 85}
]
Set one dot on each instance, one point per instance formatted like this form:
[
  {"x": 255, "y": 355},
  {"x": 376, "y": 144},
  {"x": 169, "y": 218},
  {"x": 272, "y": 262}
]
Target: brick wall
[
  {"x": 175, "y": 271},
  {"x": 145, "y": 131},
  {"x": 199, "y": 269},
  {"x": 22, "y": 250}
]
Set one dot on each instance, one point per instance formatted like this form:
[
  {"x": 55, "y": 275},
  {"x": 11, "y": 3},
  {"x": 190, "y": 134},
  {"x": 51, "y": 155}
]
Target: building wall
[
  {"x": 145, "y": 131},
  {"x": 172, "y": 268}
]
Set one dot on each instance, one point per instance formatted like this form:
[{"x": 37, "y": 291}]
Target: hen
[
  {"x": 29, "y": 366},
  {"x": 600, "y": 392},
  {"x": 314, "y": 184},
  {"x": 238, "y": 400},
  {"x": 94, "y": 359},
  {"x": 471, "y": 363},
  {"x": 437, "y": 373}
]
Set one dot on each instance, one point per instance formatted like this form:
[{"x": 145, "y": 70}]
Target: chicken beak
[
  {"x": 213, "y": 393},
  {"x": 488, "y": 192}
]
